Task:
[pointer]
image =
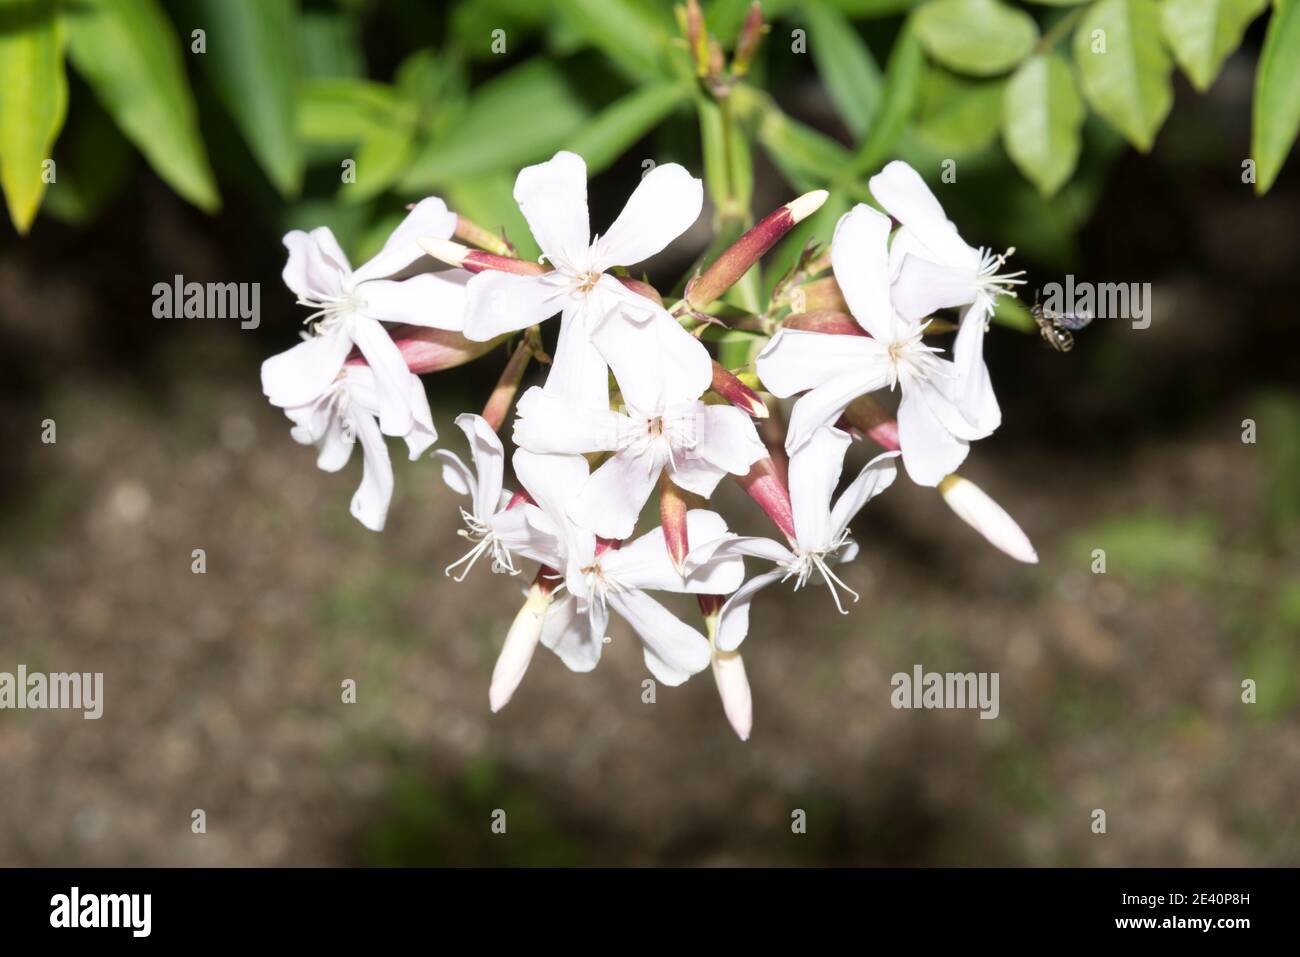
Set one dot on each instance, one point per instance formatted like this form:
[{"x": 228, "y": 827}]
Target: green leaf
[
  {"x": 903, "y": 75},
  {"x": 381, "y": 158},
  {"x": 870, "y": 9},
  {"x": 980, "y": 37},
  {"x": 329, "y": 44},
  {"x": 490, "y": 202},
  {"x": 845, "y": 65},
  {"x": 1203, "y": 32},
  {"x": 738, "y": 347},
  {"x": 249, "y": 58},
  {"x": 1277, "y": 95},
  {"x": 33, "y": 103},
  {"x": 1042, "y": 121},
  {"x": 345, "y": 111},
  {"x": 805, "y": 157},
  {"x": 130, "y": 55},
  {"x": 1124, "y": 67},
  {"x": 634, "y": 35},
  {"x": 519, "y": 117},
  {"x": 624, "y": 122},
  {"x": 958, "y": 116},
  {"x": 94, "y": 161}
]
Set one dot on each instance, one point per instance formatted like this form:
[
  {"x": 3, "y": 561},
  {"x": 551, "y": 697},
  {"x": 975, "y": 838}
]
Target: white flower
[
  {"x": 934, "y": 430},
  {"x": 821, "y": 531},
  {"x": 604, "y": 324},
  {"x": 346, "y": 411},
  {"x": 697, "y": 443},
  {"x": 349, "y": 305},
  {"x": 933, "y": 268},
  {"x": 596, "y": 577},
  {"x": 488, "y": 526}
]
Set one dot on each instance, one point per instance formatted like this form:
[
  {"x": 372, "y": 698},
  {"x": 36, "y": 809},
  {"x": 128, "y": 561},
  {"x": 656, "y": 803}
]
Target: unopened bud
[
  {"x": 433, "y": 350},
  {"x": 729, "y": 386},
  {"x": 477, "y": 235},
  {"x": 821, "y": 294},
  {"x": 733, "y": 684},
  {"x": 745, "y": 251},
  {"x": 672, "y": 518},
  {"x": 824, "y": 320},
  {"x": 867, "y": 416},
  {"x": 696, "y": 37},
  {"x": 642, "y": 289},
  {"x": 498, "y": 403},
  {"x": 987, "y": 517},
  {"x": 764, "y": 485},
  {"x": 521, "y": 642},
  {"x": 477, "y": 260},
  {"x": 751, "y": 31}
]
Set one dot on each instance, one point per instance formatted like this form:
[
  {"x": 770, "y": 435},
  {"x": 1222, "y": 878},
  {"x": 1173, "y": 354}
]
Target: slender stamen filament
[
  {"x": 807, "y": 562},
  {"x": 486, "y": 542}
]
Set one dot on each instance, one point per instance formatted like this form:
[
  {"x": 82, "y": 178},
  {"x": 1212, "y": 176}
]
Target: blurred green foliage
[{"x": 276, "y": 98}]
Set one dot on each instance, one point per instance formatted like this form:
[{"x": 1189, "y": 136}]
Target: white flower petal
[
  {"x": 646, "y": 564},
  {"x": 733, "y": 619},
  {"x": 726, "y": 437},
  {"x": 500, "y": 302},
  {"x": 422, "y": 434},
  {"x": 455, "y": 473},
  {"x": 549, "y": 422},
  {"x": 664, "y": 205},
  {"x": 904, "y": 195},
  {"x": 553, "y": 198},
  {"x": 657, "y": 363},
  {"x": 674, "y": 650},
  {"x": 987, "y": 517},
  {"x": 433, "y": 299},
  {"x": 392, "y": 377},
  {"x": 814, "y": 473},
  {"x": 860, "y": 259},
  {"x": 797, "y": 360},
  {"x": 429, "y": 219},
  {"x": 611, "y": 500},
  {"x": 876, "y": 476},
  {"x": 824, "y": 405},
  {"x": 578, "y": 370},
  {"x": 930, "y": 451},
  {"x": 972, "y": 392},
  {"x": 517, "y": 651},
  {"x": 370, "y": 503},
  {"x": 301, "y": 374},
  {"x": 317, "y": 268},
  {"x": 924, "y": 287},
  {"x": 335, "y": 447},
  {"x": 733, "y": 689},
  {"x": 489, "y": 462},
  {"x": 694, "y": 474},
  {"x": 569, "y": 634}
]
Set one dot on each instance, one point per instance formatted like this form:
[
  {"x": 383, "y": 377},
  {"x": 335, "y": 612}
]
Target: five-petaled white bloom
[
  {"x": 604, "y": 325},
  {"x": 346, "y": 412},
  {"x": 492, "y": 527},
  {"x": 821, "y": 531},
  {"x": 697, "y": 443},
  {"x": 932, "y": 267},
  {"x": 350, "y": 305},
  {"x": 934, "y": 428},
  {"x": 595, "y": 577}
]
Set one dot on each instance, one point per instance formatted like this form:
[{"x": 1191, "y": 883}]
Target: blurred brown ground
[{"x": 1118, "y": 691}]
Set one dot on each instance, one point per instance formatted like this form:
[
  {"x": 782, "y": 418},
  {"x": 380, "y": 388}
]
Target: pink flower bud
[
  {"x": 976, "y": 509},
  {"x": 819, "y": 294},
  {"x": 745, "y": 251},
  {"x": 642, "y": 289},
  {"x": 727, "y": 385},
  {"x": 867, "y": 416},
  {"x": 498, "y": 404},
  {"x": 751, "y": 31},
  {"x": 477, "y": 235},
  {"x": 433, "y": 350},
  {"x": 766, "y": 487},
  {"x": 672, "y": 518},
  {"x": 824, "y": 320},
  {"x": 476, "y": 260}
]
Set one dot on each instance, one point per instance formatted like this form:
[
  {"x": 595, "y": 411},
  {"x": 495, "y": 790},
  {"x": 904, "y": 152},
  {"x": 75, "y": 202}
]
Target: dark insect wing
[{"x": 1072, "y": 320}]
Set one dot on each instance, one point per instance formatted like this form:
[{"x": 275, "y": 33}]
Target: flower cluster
[{"x": 633, "y": 404}]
